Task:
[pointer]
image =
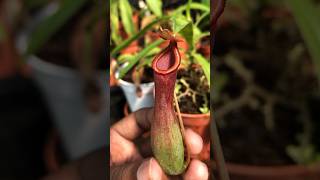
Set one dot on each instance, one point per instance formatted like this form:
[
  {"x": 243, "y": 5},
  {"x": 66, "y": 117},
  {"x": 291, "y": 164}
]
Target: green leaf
[
  {"x": 206, "y": 2},
  {"x": 179, "y": 22},
  {"x": 155, "y": 6},
  {"x": 153, "y": 51},
  {"x": 50, "y": 25},
  {"x": 197, "y": 34},
  {"x": 188, "y": 10},
  {"x": 147, "y": 61},
  {"x": 204, "y": 109},
  {"x": 124, "y": 58},
  {"x": 30, "y": 4},
  {"x": 138, "y": 57},
  {"x": 305, "y": 154},
  {"x": 307, "y": 18},
  {"x": 114, "y": 18},
  {"x": 204, "y": 63},
  {"x": 181, "y": 25},
  {"x": 187, "y": 33},
  {"x": 134, "y": 37},
  {"x": 126, "y": 16},
  {"x": 204, "y": 15},
  {"x": 196, "y": 6},
  {"x": 177, "y": 88}
]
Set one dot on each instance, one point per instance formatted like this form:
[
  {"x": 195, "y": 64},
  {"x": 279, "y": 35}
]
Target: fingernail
[
  {"x": 195, "y": 141},
  {"x": 149, "y": 170},
  {"x": 197, "y": 170}
]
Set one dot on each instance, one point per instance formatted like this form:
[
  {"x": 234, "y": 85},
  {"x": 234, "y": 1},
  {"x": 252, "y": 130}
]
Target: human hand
[{"x": 128, "y": 162}]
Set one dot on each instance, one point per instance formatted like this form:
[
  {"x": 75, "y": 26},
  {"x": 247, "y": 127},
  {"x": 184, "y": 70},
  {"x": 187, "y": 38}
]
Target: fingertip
[
  {"x": 194, "y": 141},
  {"x": 150, "y": 169},
  {"x": 197, "y": 170}
]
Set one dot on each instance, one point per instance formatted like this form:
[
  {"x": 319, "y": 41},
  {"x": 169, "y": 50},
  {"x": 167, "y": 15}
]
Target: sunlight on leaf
[
  {"x": 114, "y": 18},
  {"x": 206, "y": 2},
  {"x": 126, "y": 16},
  {"x": 155, "y": 6},
  {"x": 204, "y": 109},
  {"x": 181, "y": 25}
]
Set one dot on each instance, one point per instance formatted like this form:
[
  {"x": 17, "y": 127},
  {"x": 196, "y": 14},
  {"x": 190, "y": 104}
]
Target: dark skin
[
  {"x": 131, "y": 156},
  {"x": 129, "y": 161},
  {"x": 92, "y": 166}
]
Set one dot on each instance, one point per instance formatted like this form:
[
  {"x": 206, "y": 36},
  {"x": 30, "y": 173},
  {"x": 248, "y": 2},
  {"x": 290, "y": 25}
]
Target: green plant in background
[
  {"x": 179, "y": 25},
  {"x": 34, "y": 4},
  {"x": 190, "y": 29},
  {"x": 50, "y": 25},
  {"x": 180, "y": 22},
  {"x": 306, "y": 15},
  {"x": 307, "y": 18},
  {"x": 2, "y": 32},
  {"x": 305, "y": 153}
]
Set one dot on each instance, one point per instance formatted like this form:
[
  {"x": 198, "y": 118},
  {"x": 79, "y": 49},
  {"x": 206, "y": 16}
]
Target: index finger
[{"x": 133, "y": 125}]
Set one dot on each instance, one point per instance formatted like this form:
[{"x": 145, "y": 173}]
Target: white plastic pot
[
  {"x": 81, "y": 131},
  {"x": 135, "y": 102}
]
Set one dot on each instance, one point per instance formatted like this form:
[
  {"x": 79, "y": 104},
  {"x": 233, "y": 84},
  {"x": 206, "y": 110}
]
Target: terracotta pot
[
  {"x": 290, "y": 172},
  {"x": 199, "y": 123}
]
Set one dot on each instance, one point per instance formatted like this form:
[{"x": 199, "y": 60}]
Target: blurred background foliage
[{"x": 266, "y": 81}]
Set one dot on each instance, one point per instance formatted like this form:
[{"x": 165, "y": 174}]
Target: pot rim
[
  {"x": 188, "y": 115},
  {"x": 196, "y": 119},
  {"x": 275, "y": 170},
  {"x": 126, "y": 83}
]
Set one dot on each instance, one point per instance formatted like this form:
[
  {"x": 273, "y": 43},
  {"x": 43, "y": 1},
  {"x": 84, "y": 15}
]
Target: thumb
[
  {"x": 126, "y": 171},
  {"x": 150, "y": 170}
]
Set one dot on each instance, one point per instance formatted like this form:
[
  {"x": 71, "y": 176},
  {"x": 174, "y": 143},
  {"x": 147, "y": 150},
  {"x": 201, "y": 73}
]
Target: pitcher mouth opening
[{"x": 167, "y": 62}]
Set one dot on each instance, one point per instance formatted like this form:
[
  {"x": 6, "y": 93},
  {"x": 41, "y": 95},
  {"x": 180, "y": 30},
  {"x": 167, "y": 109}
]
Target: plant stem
[
  {"x": 193, "y": 5},
  {"x": 182, "y": 127},
  {"x": 189, "y": 10},
  {"x": 201, "y": 18}
]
